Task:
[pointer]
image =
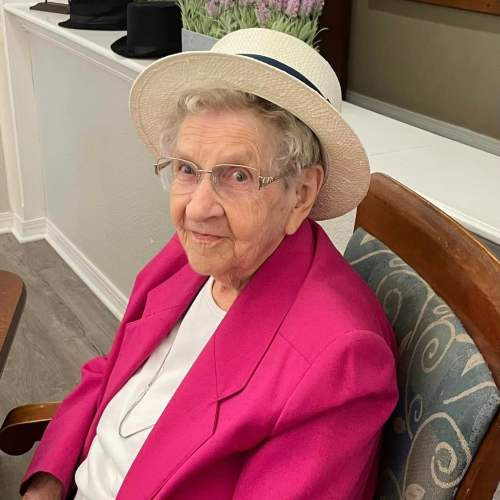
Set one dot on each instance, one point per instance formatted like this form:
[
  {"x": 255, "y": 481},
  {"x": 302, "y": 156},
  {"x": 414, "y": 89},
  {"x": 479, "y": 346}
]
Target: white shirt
[{"x": 110, "y": 456}]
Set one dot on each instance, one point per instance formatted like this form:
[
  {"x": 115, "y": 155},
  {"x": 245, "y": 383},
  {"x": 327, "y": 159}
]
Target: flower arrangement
[{"x": 219, "y": 17}]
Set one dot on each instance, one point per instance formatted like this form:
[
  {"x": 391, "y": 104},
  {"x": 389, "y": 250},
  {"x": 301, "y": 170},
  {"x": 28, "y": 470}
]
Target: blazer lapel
[
  {"x": 165, "y": 304},
  {"x": 223, "y": 367}
]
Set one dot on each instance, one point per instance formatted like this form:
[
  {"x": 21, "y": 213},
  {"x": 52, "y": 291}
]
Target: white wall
[
  {"x": 4, "y": 199},
  {"x": 100, "y": 188}
]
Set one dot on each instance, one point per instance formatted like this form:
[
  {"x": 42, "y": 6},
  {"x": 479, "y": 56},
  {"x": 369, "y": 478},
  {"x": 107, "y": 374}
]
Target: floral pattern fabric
[{"x": 447, "y": 394}]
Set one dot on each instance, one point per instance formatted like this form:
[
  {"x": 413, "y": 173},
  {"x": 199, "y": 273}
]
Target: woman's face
[{"x": 229, "y": 238}]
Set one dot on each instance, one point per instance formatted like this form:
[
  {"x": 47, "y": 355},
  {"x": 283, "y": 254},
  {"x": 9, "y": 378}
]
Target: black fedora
[
  {"x": 153, "y": 30},
  {"x": 97, "y": 15}
]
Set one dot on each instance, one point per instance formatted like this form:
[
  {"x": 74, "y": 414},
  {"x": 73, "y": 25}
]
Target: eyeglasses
[{"x": 229, "y": 180}]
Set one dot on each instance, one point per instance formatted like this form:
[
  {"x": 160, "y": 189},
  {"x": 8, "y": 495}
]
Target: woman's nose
[{"x": 204, "y": 202}]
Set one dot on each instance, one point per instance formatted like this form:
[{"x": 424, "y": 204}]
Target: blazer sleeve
[
  {"x": 60, "y": 448},
  {"x": 325, "y": 442}
]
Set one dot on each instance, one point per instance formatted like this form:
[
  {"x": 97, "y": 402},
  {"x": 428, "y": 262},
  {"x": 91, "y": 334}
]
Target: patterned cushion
[{"x": 447, "y": 394}]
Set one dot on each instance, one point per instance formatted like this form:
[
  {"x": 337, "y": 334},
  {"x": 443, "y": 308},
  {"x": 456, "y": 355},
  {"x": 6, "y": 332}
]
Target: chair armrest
[{"x": 24, "y": 425}]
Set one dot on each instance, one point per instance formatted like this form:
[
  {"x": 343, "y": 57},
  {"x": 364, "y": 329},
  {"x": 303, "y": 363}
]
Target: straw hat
[{"x": 277, "y": 67}]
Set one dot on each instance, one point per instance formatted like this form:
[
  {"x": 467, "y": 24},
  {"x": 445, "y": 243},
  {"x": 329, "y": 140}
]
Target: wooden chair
[
  {"x": 454, "y": 264},
  {"x": 12, "y": 301},
  {"x": 463, "y": 273}
]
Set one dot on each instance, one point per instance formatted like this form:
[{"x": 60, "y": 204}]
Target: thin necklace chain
[
  {"x": 145, "y": 391},
  {"x": 141, "y": 397}
]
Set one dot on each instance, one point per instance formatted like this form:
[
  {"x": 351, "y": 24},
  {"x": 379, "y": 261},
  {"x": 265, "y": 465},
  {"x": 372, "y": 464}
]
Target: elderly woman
[{"x": 252, "y": 362}]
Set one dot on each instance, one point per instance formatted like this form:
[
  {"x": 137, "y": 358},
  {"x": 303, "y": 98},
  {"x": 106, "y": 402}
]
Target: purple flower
[
  {"x": 292, "y": 7},
  {"x": 213, "y": 8},
  {"x": 262, "y": 12},
  {"x": 306, "y": 7},
  {"x": 276, "y": 5}
]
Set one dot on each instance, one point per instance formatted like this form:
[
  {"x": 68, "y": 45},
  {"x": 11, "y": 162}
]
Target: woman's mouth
[{"x": 205, "y": 237}]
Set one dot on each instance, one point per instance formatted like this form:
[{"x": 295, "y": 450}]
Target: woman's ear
[{"x": 307, "y": 186}]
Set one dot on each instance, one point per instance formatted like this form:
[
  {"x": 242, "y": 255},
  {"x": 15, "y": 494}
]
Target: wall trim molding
[
  {"x": 445, "y": 129},
  {"x": 96, "y": 280},
  {"x": 6, "y": 219},
  {"x": 29, "y": 230}
]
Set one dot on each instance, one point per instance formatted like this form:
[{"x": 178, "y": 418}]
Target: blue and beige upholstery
[{"x": 448, "y": 397}]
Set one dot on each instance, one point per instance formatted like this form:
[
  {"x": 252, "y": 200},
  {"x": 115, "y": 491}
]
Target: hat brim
[
  {"x": 89, "y": 26},
  {"x": 153, "y": 98},
  {"x": 120, "y": 47}
]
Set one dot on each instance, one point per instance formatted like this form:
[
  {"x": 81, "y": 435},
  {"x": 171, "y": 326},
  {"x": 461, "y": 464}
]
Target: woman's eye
[
  {"x": 186, "y": 169},
  {"x": 240, "y": 176}
]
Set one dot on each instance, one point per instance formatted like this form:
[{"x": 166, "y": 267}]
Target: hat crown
[
  {"x": 155, "y": 24},
  {"x": 285, "y": 50}
]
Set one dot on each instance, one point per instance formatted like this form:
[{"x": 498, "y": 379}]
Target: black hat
[
  {"x": 97, "y": 15},
  {"x": 153, "y": 30}
]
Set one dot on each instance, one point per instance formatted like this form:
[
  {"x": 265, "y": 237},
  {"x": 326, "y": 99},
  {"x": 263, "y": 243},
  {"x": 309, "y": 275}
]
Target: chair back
[{"x": 440, "y": 288}]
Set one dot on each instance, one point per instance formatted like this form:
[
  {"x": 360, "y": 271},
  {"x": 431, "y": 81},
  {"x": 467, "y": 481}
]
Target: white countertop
[{"x": 462, "y": 180}]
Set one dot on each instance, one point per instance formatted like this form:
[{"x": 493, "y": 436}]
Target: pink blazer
[{"x": 286, "y": 400}]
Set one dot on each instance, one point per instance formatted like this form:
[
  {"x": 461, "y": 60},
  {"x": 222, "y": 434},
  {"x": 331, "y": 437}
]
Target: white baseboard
[
  {"x": 29, "y": 230},
  {"x": 454, "y": 132},
  {"x": 102, "y": 287},
  {"x": 6, "y": 222}
]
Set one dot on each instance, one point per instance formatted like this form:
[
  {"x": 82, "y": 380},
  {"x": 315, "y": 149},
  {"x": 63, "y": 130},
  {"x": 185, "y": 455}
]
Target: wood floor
[{"x": 63, "y": 325}]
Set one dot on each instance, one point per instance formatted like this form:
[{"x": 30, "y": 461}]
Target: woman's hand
[{"x": 44, "y": 486}]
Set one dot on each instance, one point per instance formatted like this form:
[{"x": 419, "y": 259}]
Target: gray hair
[{"x": 296, "y": 148}]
